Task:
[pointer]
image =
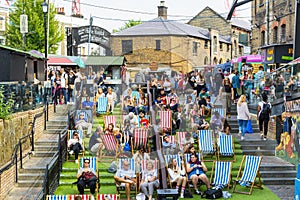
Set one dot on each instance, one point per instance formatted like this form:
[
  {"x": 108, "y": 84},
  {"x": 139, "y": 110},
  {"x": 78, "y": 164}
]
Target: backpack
[
  {"x": 187, "y": 194},
  {"x": 265, "y": 112},
  {"x": 212, "y": 194}
]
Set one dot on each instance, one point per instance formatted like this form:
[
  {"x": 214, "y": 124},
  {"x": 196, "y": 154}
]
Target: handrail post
[
  {"x": 45, "y": 118},
  {"x": 16, "y": 160},
  {"x": 21, "y": 159},
  {"x": 32, "y": 135},
  {"x": 47, "y": 104}
]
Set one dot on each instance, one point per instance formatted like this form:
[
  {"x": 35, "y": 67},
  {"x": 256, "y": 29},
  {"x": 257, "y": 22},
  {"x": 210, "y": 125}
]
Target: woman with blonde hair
[{"x": 243, "y": 114}]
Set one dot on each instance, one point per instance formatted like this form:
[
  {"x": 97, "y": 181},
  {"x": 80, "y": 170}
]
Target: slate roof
[
  {"x": 241, "y": 23},
  {"x": 160, "y": 26}
]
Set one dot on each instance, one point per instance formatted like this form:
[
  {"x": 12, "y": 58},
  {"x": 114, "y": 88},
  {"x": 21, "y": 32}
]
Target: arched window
[
  {"x": 206, "y": 60},
  {"x": 262, "y": 38},
  {"x": 283, "y": 33},
  {"x": 275, "y": 35}
]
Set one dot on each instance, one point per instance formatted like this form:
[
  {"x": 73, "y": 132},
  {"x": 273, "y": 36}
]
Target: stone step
[
  {"x": 236, "y": 130},
  {"x": 278, "y": 174},
  {"x": 45, "y": 147},
  {"x": 55, "y": 130},
  {"x": 30, "y": 183},
  {"x": 234, "y": 126},
  {"x": 277, "y": 167},
  {"x": 279, "y": 181},
  {"x": 258, "y": 141},
  {"x": 44, "y": 142},
  {"x": 259, "y": 152},
  {"x": 44, "y": 153},
  {"x": 56, "y": 126},
  {"x": 257, "y": 147},
  {"x": 31, "y": 176},
  {"x": 57, "y": 122},
  {"x": 32, "y": 170},
  {"x": 24, "y": 193}
]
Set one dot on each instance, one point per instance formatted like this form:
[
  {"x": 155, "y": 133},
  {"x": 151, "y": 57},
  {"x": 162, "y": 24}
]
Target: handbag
[
  {"x": 249, "y": 127},
  {"x": 212, "y": 194}
]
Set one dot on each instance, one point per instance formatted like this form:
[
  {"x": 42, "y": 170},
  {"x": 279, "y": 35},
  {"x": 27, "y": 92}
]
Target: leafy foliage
[
  {"x": 6, "y": 104},
  {"x": 128, "y": 24},
  {"x": 34, "y": 39}
]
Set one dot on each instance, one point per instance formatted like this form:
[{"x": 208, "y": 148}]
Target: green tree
[
  {"x": 34, "y": 39},
  {"x": 128, "y": 24}
]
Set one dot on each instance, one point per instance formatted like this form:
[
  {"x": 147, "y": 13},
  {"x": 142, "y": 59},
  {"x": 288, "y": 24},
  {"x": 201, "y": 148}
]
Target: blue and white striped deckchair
[
  {"x": 206, "y": 144},
  {"x": 57, "y": 197},
  {"x": 221, "y": 111},
  {"x": 121, "y": 187},
  {"x": 187, "y": 157},
  {"x": 222, "y": 174},
  {"x": 131, "y": 162},
  {"x": 93, "y": 165},
  {"x": 250, "y": 165},
  {"x": 102, "y": 105},
  {"x": 226, "y": 146}
]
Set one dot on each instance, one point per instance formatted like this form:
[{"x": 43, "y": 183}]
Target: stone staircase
[
  {"x": 273, "y": 170},
  {"x": 31, "y": 176}
]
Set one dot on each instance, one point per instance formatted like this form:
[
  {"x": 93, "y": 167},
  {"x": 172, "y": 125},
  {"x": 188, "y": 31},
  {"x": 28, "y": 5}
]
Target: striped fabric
[
  {"x": 221, "y": 111},
  {"x": 166, "y": 119},
  {"x": 251, "y": 168},
  {"x": 110, "y": 119},
  {"x": 206, "y": 142},
  {"x": 83, "y": 196},
  {"x": 130, "y": 160},
  {"x": 108, "y": 197},
  {"x": 86, "y": 116},
  {"x": 180, "y": 136},
  {"x": 139, "y": 119},
  {"x": 222, "y": 172},
  {"x": 80, "y": 133},
  {"x": 109, "y": 142},
  {"x": 187, "y": 157},
  {"x": 225, "y": 145},
  {"x": 57, "y": 197},
  {"x": 171, "y": 157},
  {"x": 172, "y": 139},
  {"x": 102, "y": 105},
  {"x": 169, "y": 99},
  {"x": 144, "y": 164},
  {"x": 140, "y": 137},
  {"x": 93, "y": 163}
]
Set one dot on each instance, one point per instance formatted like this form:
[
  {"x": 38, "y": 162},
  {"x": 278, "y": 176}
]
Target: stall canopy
[
  {"x": 105, "y": 60},
  {"x": 55, "y": 60},
  {"x": 294, "y": 62}
]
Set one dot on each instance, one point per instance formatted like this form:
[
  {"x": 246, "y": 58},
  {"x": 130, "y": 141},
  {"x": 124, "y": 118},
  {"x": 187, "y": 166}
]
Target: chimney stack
[{"x": 162, "y": 10}]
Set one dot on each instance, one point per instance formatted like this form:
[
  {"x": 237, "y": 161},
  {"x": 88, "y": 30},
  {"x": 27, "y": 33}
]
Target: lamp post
[{"x": 45, "y": 11}]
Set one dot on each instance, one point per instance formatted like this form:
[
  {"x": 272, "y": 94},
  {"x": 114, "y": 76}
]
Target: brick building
[
  {"x": 167, "y": 43},
  {"x": 273, "y": 30}
]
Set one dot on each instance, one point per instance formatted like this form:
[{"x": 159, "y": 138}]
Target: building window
[
  {"x": 275, "y": 35},
  {"x": 126, "y": 46},
  {"x": 235, "y": 46},
  {"x": 195, "y": 47},
  {"x": 240, "y": 50},
  {"x": 215, "y": 44},
  {"x": 262, "y": 38},
  {"x": 283, "y": 33},
  {"x": 206, "y": 60},
  {"x": 206, "y": 44},
  {"x": 228, "y": 48},
  {"x": 221, "y": 46},
  {"x": 157, "y": 45}
]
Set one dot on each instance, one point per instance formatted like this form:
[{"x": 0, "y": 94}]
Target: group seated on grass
[{"x": 192, "y": 133}]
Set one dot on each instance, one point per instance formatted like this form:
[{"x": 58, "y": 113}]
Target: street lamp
[{"x": 45, "y": 11}]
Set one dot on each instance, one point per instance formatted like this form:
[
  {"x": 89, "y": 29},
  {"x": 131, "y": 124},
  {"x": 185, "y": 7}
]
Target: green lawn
[{"x": 68, "y": 174}]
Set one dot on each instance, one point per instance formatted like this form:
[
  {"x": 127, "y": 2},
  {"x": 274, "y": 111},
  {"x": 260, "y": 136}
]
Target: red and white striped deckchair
[
  {"x": 108, "y": 197},
  {"x": 166, "y": 119},
  {"x": 144, "y": 164},
  {"x": 83, "y": 196},
  {"x": 110, "y": 119},
  {"x": 140, "y": 138},
  {"x": 180, "y": 136},
  {"x": 111, "y": 146}
]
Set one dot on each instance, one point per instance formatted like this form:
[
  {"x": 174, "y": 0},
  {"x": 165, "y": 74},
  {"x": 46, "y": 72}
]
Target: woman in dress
[{"x": 177, "y": 175}]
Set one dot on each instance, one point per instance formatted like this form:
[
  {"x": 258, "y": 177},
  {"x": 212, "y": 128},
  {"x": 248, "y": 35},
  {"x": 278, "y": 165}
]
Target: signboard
[
  {"x": 277, "y": 54},
  {"x": 23, "y": 24},
  {"x": 97, "y": 35}
]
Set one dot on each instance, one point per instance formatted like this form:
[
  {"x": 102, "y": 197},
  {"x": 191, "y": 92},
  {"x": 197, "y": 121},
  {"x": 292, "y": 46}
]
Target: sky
[{"x": 113, "y": 14}]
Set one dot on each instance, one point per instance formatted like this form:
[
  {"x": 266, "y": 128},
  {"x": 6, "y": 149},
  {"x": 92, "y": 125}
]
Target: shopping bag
[{"x": 249, "y": 127}]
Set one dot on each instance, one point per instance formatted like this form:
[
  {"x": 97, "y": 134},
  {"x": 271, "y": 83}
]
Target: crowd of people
[{"x": 190, "y": 98}]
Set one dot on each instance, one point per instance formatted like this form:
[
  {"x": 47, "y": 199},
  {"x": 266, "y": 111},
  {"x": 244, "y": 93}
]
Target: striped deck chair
[
  {"x": 226, "y": 146},
  {"x": 121, "y": 188},
  {"x": 111, "y": 146},
  {"x": 70, "y": 135},
  {"x": 108, "y": 197},
  {"x": 57, "y": 197},
  {"x": 140, "y": 138},
  {"x": 180, "y": 136},
  {"x": 221, "y": 111},
  {"x": 168, "y": 159},
  {"x": 172, "y": 140},
  {"x": 108, "y": 119},
  {"x": 187, "y": 158},
  {"x": 135, "y": 95},
  {"x": 221, "y": 174},
  {"x": 93, "y": 165},
  {"x": 206, "y": 144},
  {"x": 83, "y": 196},
  {"x": 102, "y": 105},
  {"x": 250, "y": 166},
  {"x": 166, "y": 120}
]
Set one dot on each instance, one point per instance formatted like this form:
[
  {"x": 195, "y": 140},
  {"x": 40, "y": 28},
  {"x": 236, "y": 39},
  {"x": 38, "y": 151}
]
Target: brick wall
[{"x": 7, "y": 180}]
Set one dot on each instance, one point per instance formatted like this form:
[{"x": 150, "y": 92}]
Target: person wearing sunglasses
[{"x": 86, "y": 177}]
